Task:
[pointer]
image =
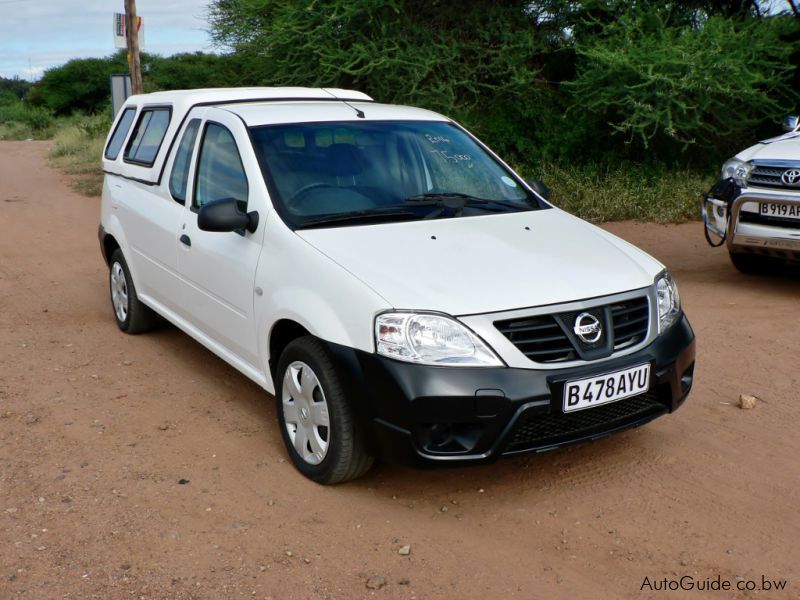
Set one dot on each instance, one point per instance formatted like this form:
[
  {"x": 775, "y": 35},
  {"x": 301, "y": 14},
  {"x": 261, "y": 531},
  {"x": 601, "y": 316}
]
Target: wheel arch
[
  {"x": 283, "y": 332},
  {"x": 109, "y": 244}
]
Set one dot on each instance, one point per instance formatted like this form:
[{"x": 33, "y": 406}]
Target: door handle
[{"x": 186, "y": 240}]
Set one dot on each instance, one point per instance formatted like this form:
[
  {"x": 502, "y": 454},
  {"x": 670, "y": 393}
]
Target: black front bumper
[{"x": 421, "y": 415}]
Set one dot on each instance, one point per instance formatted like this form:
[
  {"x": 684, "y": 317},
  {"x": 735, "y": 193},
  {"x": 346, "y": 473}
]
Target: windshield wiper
[
  {"x": 449, "y": 198},
  {"x": 456, "y": 201},
  {"x": 358, "y": 215}
]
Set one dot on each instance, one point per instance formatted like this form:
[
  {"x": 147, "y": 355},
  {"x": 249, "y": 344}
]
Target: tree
[
  {"x": 664, "y": 87},
  {"x": 192, "y": 70},
  {"x": 447, "y": 56},
  {"x": 15, "y": 86},
  {"x": 81, "y": 84},
  {"x": 582, "y": 79}
]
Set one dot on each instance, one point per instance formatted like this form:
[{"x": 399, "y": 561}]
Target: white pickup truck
[
  {"x": 397, "y": 287},
  {"x": 755, "y": 206}
]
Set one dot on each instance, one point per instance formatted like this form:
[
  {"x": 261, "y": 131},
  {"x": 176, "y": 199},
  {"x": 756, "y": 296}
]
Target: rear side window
[
  {"x": 220, "y": 173},
  {"x": 147, "y": 136},
  {"x": 120, "y": 133},
  {"x": 179, "y": 177}
]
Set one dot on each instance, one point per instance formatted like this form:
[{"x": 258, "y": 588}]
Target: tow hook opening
[
  {"x": 686, "y": 380},
  {"x": 449, "y": 438}
]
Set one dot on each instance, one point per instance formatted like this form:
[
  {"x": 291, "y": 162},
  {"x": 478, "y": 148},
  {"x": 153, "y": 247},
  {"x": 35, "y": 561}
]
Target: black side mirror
[
  {"x": 224, "y": 215},
  {"x": 791, "y": 123},
  {"x": 538, "y": 187}
]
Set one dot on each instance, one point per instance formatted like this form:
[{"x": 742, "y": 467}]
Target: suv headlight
[
  {"x": 738, "y": 169},
  {"x": 431, "y": 339},
  {"x": 669, "y": 301}
]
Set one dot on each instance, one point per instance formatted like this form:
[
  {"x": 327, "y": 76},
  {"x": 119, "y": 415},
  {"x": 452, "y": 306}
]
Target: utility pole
[{"x": 132, "y": 35}]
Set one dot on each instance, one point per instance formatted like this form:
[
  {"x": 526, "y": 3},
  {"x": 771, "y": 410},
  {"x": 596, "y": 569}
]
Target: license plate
[
  {"x": 602, "y": 389},
  {"x": 775, "y": 209}
]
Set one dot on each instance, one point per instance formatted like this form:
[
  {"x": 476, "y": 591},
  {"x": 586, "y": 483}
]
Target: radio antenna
[{"x": 359, "y": 113}]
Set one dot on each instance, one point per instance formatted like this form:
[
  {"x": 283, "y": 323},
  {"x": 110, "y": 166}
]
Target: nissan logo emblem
[
  {"x": 791, "y": 177},
  {"x": 588, "y": 328}
]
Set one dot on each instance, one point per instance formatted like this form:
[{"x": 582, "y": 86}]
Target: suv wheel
[
  {"x": 132, "y": 316},
  {"x": 317, "y": 425}
]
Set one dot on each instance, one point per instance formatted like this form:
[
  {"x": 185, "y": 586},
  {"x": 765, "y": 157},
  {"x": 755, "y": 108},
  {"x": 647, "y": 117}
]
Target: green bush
[
  {"x": 642, "y": 192},
  {"x": 83, "y": 85},
  {"x": 39, "y": 119},
  {"x": 15, "y": 87},
  {"x": 80, "y": 84},
  {"x": 78, "y": 148},
  {"x": 192, "y": 70},
  {"x": 462, "y": 58},
  {"x": 663, "y": 88},
  {"x": 21, "y": 121},
  {"x": 583, "y": 80},
  {"x": 7, "y": 98}
]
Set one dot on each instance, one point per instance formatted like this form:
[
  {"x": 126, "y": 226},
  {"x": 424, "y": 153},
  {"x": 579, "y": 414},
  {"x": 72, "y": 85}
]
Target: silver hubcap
[
  {"x": 119, "y": 291},
  {"x": 305, "y": 413}
]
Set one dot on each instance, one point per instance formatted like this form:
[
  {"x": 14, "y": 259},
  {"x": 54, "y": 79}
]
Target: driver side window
[{"x": 220, "y": 173}]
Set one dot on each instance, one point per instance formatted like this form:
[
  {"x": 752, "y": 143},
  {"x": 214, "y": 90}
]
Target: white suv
[
  {"x": 396, "y": 286},
  {"x": 755, "y": 206}
]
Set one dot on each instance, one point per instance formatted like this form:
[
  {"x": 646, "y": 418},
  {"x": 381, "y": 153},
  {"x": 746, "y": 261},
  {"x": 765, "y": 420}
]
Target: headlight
[
  {"x": 738, "y": 169},
  {"x": 669, "y": 301},
  {"x": 431, "y": 339}
]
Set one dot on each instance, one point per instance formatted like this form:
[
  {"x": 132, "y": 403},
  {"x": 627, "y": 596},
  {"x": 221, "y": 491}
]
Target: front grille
[
  {"x": 539, "y": 338},
  {"x": 549, "y": 338},
  {"x": 630, "y": 321},
  {"x": 769, "y": 176},
  {"x": 542, "y": 431},
  {"x": 759, "y": 219}
]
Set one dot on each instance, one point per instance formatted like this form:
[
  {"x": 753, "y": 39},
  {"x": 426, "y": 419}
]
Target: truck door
[{"x": 218, "y": 269}]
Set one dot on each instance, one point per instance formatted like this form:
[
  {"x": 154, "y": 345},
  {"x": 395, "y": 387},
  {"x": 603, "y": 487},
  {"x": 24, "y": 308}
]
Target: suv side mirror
[
  {"x": 791, "y": 123},
  {"x": 539, "y": 187},
  {"x": 224, "y": 215}
]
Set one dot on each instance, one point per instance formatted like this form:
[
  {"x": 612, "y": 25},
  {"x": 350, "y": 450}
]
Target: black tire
[
  {"x": 346, "y": 456},
  {"x": 135, "y": 316},
  {"x": 755, "y": 264}
]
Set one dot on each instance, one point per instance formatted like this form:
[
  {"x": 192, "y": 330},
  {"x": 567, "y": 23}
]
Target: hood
[
  {"x": 489, "y": 263},
  {"x": 784, "y": 147}
]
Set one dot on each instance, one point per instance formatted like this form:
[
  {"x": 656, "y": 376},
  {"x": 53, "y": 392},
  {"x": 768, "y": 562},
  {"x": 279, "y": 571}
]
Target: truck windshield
[{"x": 344, "y": 173}]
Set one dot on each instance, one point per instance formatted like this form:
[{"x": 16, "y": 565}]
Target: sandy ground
[{"x": 97, "y": 428}]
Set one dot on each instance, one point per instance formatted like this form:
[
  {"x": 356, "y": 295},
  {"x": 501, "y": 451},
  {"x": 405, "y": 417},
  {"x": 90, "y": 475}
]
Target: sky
[{"x": 38, "y": 34}]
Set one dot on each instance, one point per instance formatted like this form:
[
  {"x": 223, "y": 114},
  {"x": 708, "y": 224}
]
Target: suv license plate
[
  {"x": 774, "y": 209},
  {"x": 602, "y": 389}
]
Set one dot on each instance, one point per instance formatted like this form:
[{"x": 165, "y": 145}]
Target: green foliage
[
  {"x": 19, "y": 121},
  {"x": 191, "y": 71},
  {"x": 644, "y": 192},
  {"x": 665, "y": 88},
  {"x": 15, "y": 86},
  {"x": 460, "y": 57},
  {"x": 7, "y": 98},
  {"x": 77, "y": 150},
  {"x": 83, "y": 85},
  {"x": 80, "y": 84},
  {"x": 586, "y": 81}
]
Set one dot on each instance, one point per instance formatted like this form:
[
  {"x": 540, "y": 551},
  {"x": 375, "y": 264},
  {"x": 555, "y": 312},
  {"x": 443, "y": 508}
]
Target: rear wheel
[
  {"x": 317, "y": 424},
  {"x": 131, "y": 315}
]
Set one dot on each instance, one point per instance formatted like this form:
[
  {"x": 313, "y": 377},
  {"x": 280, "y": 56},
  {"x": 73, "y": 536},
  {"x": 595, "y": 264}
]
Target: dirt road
[{"x": 97, "y": 429}]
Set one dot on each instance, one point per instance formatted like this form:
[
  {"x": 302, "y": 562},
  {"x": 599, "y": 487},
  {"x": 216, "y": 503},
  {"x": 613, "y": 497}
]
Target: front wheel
[{"x": 321, "y": 434}]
